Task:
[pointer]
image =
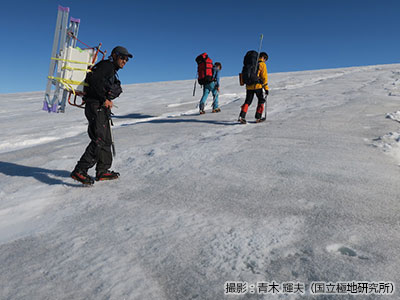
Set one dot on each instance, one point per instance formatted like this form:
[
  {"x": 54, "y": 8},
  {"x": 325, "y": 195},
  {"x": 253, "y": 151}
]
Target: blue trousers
[{"x": 209, "y": 87}]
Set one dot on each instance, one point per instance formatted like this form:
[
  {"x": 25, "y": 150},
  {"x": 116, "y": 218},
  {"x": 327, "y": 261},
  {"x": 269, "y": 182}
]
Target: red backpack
[{"x": 204, "y": 69}]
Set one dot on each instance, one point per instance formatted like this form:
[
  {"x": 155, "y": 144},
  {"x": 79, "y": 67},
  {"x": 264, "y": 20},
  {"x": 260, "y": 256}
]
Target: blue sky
[{"x": 166, "y": 36}]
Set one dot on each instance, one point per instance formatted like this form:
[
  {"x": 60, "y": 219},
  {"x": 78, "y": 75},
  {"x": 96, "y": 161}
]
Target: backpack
[
  {"x": 250, "y": 68},
  {"x": 204, "y": 69}
]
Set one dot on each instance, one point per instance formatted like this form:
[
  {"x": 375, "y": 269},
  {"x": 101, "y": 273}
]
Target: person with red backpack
[
  {"x": 208, "y": 77},
  {"x": 255, "y": 77}
]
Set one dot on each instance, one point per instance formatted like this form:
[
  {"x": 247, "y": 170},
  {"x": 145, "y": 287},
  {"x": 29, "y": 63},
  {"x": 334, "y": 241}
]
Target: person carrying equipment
[
  {"x": 254, "y": 75},
  {"x": 212, "y": 87},
  {"x": 103, "y": 87},
  {"x": 208, "y": 77}
]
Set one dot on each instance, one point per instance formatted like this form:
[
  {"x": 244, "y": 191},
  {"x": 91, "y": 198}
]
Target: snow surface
[{"x": 308, "y": 196}]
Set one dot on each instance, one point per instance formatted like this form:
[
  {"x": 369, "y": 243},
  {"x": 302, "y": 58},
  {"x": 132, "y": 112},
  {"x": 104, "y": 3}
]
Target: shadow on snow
[
  {"x": 174, "y": 120},
  {"x": 133, "y": 116},
  {"x": 40, "y": 174}
]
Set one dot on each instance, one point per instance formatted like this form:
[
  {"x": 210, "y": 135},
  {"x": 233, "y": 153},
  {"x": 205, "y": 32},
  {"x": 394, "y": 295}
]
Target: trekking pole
[
  {"x": 266, "y": 109},
  {"x": 110, "y": 122},
  {"x": 194, "y": 88},
  {"x": 112, "y": 137}
]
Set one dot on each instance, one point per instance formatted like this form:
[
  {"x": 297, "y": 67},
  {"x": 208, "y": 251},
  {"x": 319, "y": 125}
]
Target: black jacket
[{"x": 103, "y": 82}]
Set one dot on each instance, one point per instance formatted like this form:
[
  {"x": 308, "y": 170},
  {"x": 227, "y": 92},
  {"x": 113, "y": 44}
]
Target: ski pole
[
  {"x": 194, "y": 88},
  {"x": 266, "y": 108},
  {"x": 110, "y": 123},
  {"x": 112, "y": 137}
]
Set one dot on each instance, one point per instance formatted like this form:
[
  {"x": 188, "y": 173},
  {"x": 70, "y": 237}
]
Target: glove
[{"x": 266, "y": 92}]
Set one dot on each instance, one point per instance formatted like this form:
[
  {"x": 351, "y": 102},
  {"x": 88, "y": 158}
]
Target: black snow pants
[
  {"x": 249, "y": 99},
  {"x": 98, "y": 152}
]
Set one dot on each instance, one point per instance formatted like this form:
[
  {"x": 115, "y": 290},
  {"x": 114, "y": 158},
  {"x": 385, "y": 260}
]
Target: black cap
[
  {"x": 265, "y": 55},
  {"x": 119, "y": 50}
]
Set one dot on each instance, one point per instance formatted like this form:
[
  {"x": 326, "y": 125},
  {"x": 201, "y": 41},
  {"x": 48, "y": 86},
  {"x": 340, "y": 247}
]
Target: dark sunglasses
[{"x": 124, "y": 57}]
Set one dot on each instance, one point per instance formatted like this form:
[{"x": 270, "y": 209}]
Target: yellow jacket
[{"x": 262, "y": 74}]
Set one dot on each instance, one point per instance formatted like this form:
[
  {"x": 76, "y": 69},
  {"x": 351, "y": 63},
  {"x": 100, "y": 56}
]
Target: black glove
[{"x": 266, "y": 92}]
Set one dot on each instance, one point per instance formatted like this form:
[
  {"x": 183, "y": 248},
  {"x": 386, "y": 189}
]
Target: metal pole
[
  {"x": 259, "y": 49},
  {"x": 53, "y": 63},
  {"x": 258, "y": 56},
  {"x": 63, "y": 29},
  {"x": 266, "y": 108},
  {"x": 112, "y": 137},
  {"x": 194, "y": 88}
]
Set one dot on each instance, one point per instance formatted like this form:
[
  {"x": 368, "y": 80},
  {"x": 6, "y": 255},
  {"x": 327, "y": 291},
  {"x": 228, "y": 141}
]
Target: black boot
[
  {"x": 107, "y": 175},
  {"x": 82, "y": 177}
]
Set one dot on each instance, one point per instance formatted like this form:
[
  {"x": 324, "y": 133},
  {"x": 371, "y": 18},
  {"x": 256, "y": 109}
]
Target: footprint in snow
[{"x": 344, "y": 250}]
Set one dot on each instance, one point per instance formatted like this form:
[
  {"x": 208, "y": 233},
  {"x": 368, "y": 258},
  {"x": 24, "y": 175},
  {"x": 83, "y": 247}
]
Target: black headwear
[
  {"x": 119, "y": 50},
  {"x": 265, "y": 55}
]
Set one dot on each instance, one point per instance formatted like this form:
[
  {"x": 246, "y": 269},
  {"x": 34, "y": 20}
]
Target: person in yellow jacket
[{"x": 257, "y": 89}]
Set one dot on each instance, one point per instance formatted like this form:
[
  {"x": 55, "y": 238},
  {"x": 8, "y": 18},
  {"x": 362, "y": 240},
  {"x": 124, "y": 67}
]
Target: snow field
[{"x": 307, "y": 196}]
